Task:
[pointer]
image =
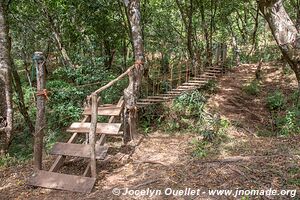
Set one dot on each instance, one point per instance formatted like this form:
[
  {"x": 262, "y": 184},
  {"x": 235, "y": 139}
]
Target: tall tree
[
  {"x": 6, "y": 108},
  {"x": 284, "y": 31},
  {"x": 135, "y": 76}
]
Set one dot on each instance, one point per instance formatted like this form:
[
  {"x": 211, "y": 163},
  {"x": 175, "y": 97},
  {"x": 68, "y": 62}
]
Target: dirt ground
[{"x": 161, "y": 160}]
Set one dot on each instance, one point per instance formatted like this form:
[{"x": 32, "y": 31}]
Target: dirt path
[{"x": 163, "y": 160}]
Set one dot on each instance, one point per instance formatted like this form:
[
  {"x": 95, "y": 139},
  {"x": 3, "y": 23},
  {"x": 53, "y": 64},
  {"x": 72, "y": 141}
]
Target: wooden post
[
  {"x": 40, "y": 123},
  {"x": 187, "y": 71},
  {"x": 92, "y": 134},
  {"x": 172, "y": 65}
]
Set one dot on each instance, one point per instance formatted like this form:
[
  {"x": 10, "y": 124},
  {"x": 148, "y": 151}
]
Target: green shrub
[
  {"x": 189, "y": 103},
  {"x": 199, "y": 148},
  {"x": 210, "y": 87},
  {"x": 7, "y": 161},
  {"x": 289, "y": 123},
  {"x": 151, "y": 117},
  {"x": 252, "y": 88},
  {"x": 276, "y": 101}
]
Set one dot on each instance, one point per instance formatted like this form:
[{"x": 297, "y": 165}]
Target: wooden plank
[
  {"x": 160, "y": 97},
  {"x": 60, "y": 159},
  {"x": 151, "y": 100},
  {"x": 78, "y": 150},
  {"x": 192, "y": 84},
  {"x": 106, "y": 128},
  {"x": 169, "y": 95},
  {"x": 105, "y": 111},
  {"x": 142, "y": 104},
  {"x": 199, "y": 79},
  {"x": 62, "y": 181},
  {"x": 209, "y": 74},
  {"x": 187, "y": 87},
  {"x": 181, "y": 90},
  {"x": 213, "y": 70},
  {"x": 174, "y": 92}
]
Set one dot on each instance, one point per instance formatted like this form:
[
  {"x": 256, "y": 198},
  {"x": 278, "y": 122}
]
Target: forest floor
[{"x": 161, "y": 160}]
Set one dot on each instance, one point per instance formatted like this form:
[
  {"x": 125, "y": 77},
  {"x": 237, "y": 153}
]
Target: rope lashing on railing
[{"x": 43, "y": 92}]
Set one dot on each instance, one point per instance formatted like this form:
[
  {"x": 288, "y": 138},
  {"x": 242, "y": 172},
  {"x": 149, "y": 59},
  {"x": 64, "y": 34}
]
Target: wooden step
[
  {"x": 208, "y": 76},
  {"x": 78, "y": 150},
  {"x": 209, "y": 73},
  {"x": 198, "y": 80},
  {"x": 105, "y": 128},
  {"x": 171, "y": 95},
  {"x": 187, "y": 87},
  {"x": 105, "y": 110},
  {"x": 182, "y": 89},
  {"x": 174, "y": 92},
  {"x": 151, "y": 100},
  {"x": 143, "y": 104},
  {"x": 213, "y": 71},
  {"x": 62, "y": 181},
  {"x": 192, "y": 84},
  {"x": 159, "y": 97},
  {"x": 216, "y": 68}
]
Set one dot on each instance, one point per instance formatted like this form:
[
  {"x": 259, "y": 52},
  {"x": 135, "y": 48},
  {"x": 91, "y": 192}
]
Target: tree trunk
[
  {"x": 235, "y": 46},
  {"x": 6, "y": 107},
  {"x": 132, "y": 91},
  {"x": 20, "y": 95},
  {"x": 187, "y": 18},
  {"x": 208, "y": 50},
  {"x": 284, "y": 32},
  {"x": 66, "y": 59}
]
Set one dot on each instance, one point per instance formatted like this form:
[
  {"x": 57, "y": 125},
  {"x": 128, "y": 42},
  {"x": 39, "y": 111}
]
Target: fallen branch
[
  {"x": 150, "y": 162},
  {"x": 239, "y": 159},
  {"x": 145, "y": 183}
]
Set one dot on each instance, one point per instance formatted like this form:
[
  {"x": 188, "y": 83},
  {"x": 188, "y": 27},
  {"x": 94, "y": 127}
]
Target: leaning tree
[{"x": 284, "y": 31}]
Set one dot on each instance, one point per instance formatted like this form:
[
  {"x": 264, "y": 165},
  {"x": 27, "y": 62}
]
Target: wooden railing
[{"x": 93, "y": 101}]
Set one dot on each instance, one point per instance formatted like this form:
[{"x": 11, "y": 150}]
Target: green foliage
[
  {"x": 199, "y": 148},
  {"x": 190, "y": 103},
  {"x": 210, "y": 87},
  {"x": 151, "y": 117},
  {"x": 252, "y": 88},
  {"x": 285, "y": 113},
  {"x": 7, "y": 160},
  {"x": 276, "y": 100},
  {"x": 289, "y": 123}
]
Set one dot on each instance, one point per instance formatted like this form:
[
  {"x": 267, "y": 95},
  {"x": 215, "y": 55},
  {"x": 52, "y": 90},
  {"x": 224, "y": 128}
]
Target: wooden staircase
[
  {"x": 53, "y": 179},
  {"x": 210, "y": 73},
  {"x": 95, "y": 132}
]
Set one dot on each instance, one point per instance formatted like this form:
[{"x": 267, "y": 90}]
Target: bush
[
  {"x": 210, "y": 87},
  {"x": 289, "y": 123},
  {"x": 199, "y": 148},
  {"x": 252, "y": 88},
  {"x": 190, "y": 103},
  {"x": 276, "y": 101}
]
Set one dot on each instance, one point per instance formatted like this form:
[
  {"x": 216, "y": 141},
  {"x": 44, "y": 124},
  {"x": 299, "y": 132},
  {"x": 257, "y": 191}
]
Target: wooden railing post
[
  {"x": 92, "y": 133},
  {"x": 40, "y": 124}
]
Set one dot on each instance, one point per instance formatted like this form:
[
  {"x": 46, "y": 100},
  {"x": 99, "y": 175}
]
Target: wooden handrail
[{"x": 113, "y": 81}]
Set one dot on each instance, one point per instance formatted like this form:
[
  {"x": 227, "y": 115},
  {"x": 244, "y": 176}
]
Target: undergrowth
[
  {"x": 253, "y": 88},
  {"x": 188, "y": 114},
  {"x": 285, "y": 113}
]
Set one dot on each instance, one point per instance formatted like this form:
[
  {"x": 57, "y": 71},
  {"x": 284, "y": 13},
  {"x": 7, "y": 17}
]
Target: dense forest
[{"x": 130, "y": 94}]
